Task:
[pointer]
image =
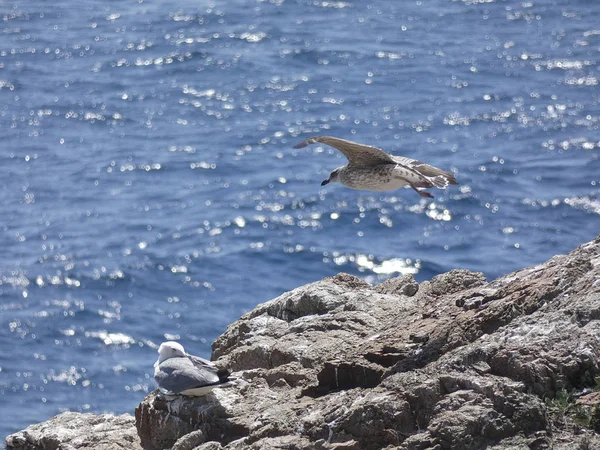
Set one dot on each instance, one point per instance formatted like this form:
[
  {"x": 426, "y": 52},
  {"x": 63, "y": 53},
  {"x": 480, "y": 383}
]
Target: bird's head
[
  {"x": 334, "y": 176},
  {"x": 170, "y": 349}
]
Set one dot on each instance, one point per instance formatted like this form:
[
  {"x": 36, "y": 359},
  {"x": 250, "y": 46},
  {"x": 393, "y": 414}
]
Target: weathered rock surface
[
  {"x": 72, "y": 431},
  {"x": 453, "y": 363},
  {"x": 456, "y": 362}
]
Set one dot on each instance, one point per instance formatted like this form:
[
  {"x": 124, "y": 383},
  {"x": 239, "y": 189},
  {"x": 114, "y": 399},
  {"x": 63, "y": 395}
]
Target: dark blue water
[{"x": 149, "y": 189}]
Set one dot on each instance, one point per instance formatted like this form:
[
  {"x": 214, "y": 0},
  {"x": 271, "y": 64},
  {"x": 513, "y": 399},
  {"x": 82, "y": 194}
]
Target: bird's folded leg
[{"x": 422, "y": 193}]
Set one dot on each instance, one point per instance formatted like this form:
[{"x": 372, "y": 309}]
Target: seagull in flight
[{"x": 370, "y": 168}]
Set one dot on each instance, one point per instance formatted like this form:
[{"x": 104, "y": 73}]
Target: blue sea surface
[{"x": 149, "y": 189}]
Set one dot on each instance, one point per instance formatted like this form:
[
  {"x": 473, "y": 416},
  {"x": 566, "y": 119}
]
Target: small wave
[
  {"x": 582, "y": 81},
  {"x": 573, "y": 143},
  {"x": 563, "y": 64},
  {"x": 334, "y": 5},
  {"x": 369, "y": 263},
  {"x": 22, "y": 280},
  {"x": 132, "y": 167},
  {"x": 5, "y": 84},
  {"x": 251, "y": 37},
  {"x": 589, "y": 205},
  {"x": 69, "y": 376},
  {"x": 111, "y": 338}
]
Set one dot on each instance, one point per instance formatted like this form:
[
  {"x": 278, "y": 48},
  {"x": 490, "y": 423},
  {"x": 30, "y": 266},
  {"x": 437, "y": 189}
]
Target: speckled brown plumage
[{"x": 371, "y": 168}]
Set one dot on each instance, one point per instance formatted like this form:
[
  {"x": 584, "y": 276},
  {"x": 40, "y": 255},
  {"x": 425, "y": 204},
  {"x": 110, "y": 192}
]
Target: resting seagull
[
  {"x": 372, "y": 169},
  {"x": 177, "y": 372}
]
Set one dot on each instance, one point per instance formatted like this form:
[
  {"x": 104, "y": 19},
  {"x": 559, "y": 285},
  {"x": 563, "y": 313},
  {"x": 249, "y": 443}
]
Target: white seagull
[
  {"x": 372, "y": 169},
  {"x": 177, "y": 372}
]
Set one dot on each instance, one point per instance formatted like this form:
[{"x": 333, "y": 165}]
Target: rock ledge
[
  {"x": 453, "y": 363},
  {"x": 71, "y": 430}
]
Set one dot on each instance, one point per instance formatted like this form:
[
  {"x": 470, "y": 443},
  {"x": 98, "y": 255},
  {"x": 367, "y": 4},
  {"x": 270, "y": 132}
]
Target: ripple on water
[
  {"x": 589, "y": 205},
  {"x": 369, "y": 263},
  {"x": 119, "y": 339}
]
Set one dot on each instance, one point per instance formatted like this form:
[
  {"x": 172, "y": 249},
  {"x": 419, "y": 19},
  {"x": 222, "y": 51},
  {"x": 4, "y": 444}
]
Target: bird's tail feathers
[
  {"x": 231, "y": 381},
  {"x": 223, "y": 374},
  {"x": 442, "y": 181}
]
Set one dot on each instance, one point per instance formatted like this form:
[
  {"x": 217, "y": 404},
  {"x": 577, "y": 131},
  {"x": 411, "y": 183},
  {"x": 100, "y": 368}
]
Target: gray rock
[
  {"x": 72, "y": 431},
  {"x": 212, "y": 445},
  {"x": 455, "y": 363},
  {"x": 404, "y": 285},
  {"x": 191, "y": 441}
]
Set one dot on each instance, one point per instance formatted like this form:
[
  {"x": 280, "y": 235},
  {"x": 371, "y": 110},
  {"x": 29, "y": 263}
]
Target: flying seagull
[
  {"x": 372, "y": 169},
  {"x": 177, "y": 372}
]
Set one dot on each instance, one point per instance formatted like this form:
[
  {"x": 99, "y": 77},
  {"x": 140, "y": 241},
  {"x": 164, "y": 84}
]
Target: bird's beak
[{"x": 324, "y": 182}]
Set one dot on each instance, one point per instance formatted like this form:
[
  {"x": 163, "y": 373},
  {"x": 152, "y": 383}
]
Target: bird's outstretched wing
[
  {"x": 365, "y": 155},
  {"x": 357, "y": 154},
  {"x": 438, "y": 177}
]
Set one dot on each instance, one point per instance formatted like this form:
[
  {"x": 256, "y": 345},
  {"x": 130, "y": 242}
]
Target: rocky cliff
[{"x": 455, "y": 362}]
